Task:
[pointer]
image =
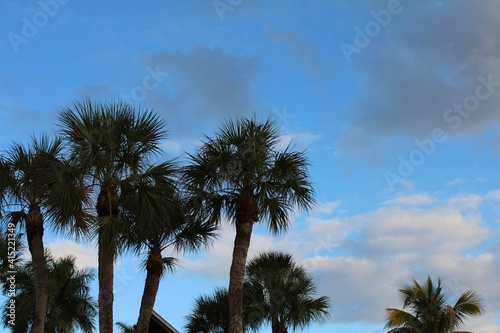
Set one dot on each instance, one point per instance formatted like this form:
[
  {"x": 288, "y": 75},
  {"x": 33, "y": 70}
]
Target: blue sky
[{"x": 396, "y": 103}]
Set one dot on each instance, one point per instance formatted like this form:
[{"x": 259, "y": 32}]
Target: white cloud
[
  {"x": 368, "y": 257},
  {"x": 411, "y": 200},
  {"x": 299, "y": 140},
  {"x": 466, "y": 201},
  {"x": 456, "y": 181},
  {"x": 86, "y": 255},
  {"x": 327, "y": 207},
  {"x": 493, "y": 195},
  {"x": 483, "y": 324},
  {"x": 172, "y": 147}
]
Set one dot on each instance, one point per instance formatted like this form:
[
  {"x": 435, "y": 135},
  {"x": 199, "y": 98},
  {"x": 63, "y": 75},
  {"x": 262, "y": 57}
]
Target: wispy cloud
[
  {"x": 411, "y": 200},
  {"x": 306, "y": 52},
  {"x": 493, "y": 195},
  {"x": 456, "y": 181},
  {"x": 327, "y": 207},
  {"x": 205, "y": 82}
]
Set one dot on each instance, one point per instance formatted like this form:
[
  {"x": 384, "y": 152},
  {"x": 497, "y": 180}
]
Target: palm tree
[
  {"x": 429, "y": 311},
  {"x": 110, "y": 142},
  {"x": 241, "y": 174},
  {"x": 280, "y": 292},
  {"x": 39, "y": 184},
  {"x": 160, "y": 220},
  {"x": 69, "y": 305}
]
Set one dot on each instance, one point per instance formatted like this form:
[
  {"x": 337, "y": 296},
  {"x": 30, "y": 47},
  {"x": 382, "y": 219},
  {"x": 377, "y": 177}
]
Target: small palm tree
[
  {"x": 242, "y": 175},
  {"x": 69, "y": 305},
  {"x": 429, "y": 311},
  {"x": 109, "y": 143},
  {"x": 280, "y": 292},
  {"x": 38, "y": 184}
]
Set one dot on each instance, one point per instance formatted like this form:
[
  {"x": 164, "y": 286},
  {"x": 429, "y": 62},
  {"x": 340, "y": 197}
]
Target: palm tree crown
[
  {"x": 429, "y": 311},
  {"x": 242, "y": 173}
]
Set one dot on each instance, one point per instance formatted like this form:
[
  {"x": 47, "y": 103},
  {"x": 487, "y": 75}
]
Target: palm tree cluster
[{"x": 100, "y": 177}]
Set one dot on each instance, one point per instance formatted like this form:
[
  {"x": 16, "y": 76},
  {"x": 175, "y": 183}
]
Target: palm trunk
[
  {"x": 237, "y": 275},
  {"x": 246, "y": 215},
  {"x": 107, "y": 205},
  {"x": 34, "y": 232},
  {"x": 106, "y": 296},
  {"x": 154, "y": 269}
]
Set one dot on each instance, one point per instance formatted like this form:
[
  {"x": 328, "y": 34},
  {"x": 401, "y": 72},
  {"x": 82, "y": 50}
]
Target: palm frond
[
  {"x": 396, "y": 317},
  {"x": 125, "y": 328},
  {"x": 210, "y": 313},
  {"x": 469, "y": 304}
]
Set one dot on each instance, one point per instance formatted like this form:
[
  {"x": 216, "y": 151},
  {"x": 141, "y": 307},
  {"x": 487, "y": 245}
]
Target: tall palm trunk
[
  {"x": 34, "y": 231},
  {"x": 246, "y": 215},
  {"x": 154, "y": 269},
  {"x": 106, "y": 297},
  {"x": 107, "y": 205},
  {"x": 237, "y": 275}
]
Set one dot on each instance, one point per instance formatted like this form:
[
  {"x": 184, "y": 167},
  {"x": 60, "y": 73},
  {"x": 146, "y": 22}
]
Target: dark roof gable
[{"x": 159, "y": 325}]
